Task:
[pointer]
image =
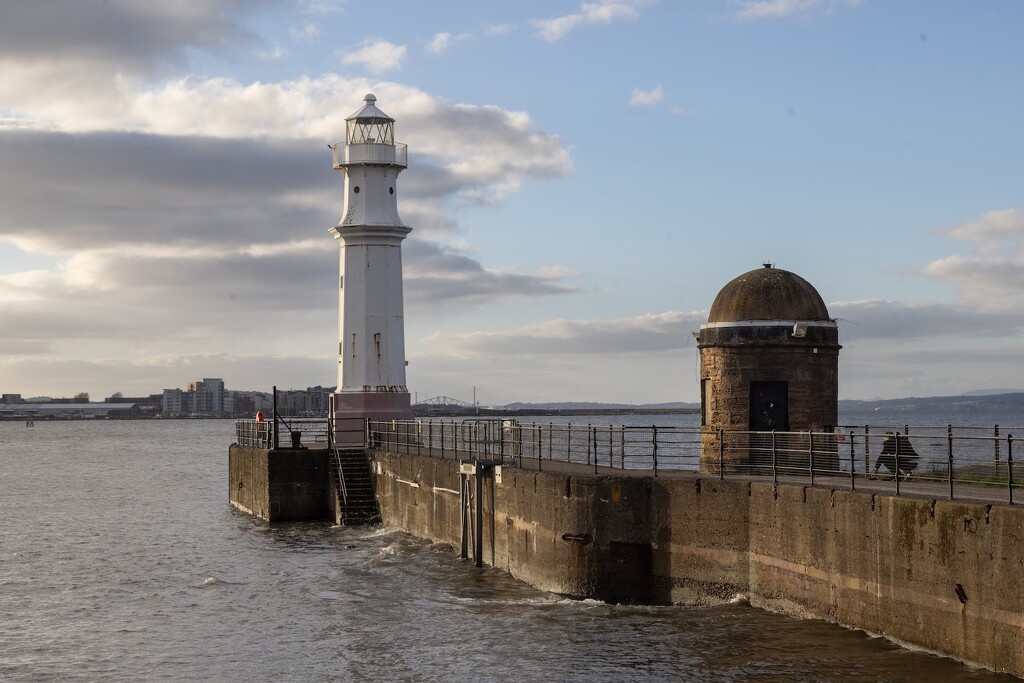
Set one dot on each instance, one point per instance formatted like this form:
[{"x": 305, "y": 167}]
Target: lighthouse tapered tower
[{"x": 371, "y": 335}]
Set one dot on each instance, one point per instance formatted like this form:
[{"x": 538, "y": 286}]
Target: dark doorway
[{"x": 769, "y": 406}]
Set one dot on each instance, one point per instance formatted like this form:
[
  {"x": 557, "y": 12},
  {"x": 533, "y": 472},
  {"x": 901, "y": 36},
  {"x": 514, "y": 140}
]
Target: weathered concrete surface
[
  {"x": 888, "y": 565},
  {"x": 279, "y": 485}
]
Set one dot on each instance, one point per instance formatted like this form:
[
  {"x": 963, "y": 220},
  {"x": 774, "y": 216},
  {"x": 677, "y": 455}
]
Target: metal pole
[
  {"x": 589, "y": 441},
  {"x": 540, "y": 445},
  {"x": 775, "y": 461},
  {"x": 654, "y": 452},
  {"x": 995, "y": 444},
  {"x": 274, "y": 410},
  {"x": 594, "y": 439},
  {"x": 897, "y": 464},
  {"x": 622, "y": 447},
  {"x": 853, "y": 464},
  {"x": 610, "y": 433},
  {"x": 810, "y": 453},
  {"x": 949, "y": 456},
  {"x": 1009, "y": 464}
]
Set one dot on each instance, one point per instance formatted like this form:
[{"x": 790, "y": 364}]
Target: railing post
[
  {"x": 622, "y": 447},
  {"x": 610, "y": 455},
  {"x": 721, "y": 454},
  {"x": 1009, "y": 465},
  {"x": 897, "y": 464},
  {"x": 775, "y": 461},
  {"x": 654, "y": 451},
  {"x": 853, "y": 464},
  {"x": 589, "y": 440},
  {"x": 995, "y": 445},
  {"x": 949, "y": 456},
  {"x": 568, "y": 441},
  {"x": 540, "y": 445},
  {"x": 810, "y": 453},
  {"x": 274, "y": 411},
  {"x": 593, "y": 432}
]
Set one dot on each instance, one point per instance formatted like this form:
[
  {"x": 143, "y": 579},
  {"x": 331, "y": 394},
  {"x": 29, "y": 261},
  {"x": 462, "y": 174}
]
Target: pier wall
[
  {"x": 280, "y": 485},
  {"x": 941, "y": 575}
]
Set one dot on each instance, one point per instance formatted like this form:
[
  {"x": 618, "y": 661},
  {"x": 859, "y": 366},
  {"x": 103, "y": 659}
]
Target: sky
[{"x": 583, "y": 179}]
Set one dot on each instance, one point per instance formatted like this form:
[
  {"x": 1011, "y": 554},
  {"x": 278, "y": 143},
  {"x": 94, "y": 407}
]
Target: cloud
[
  {"x": 599, "y": 12},
  {"x": 439, "y": 44},
  {"x": 306, "y": 32},
  {"x": 904, "y": 321},
  {"x": 274, "y": 55},
  {"x": 66, "y": 54},
  {"x": 996, "y": 272},
  {"x": 377, "y": 56},
  {"x": 436, "y": 274},
  {"x": 639, "y": 334},
  {"x": 646, "y": 98},
  {"x": 777, "y": 9},
  {"x": 322, "y": 6}
]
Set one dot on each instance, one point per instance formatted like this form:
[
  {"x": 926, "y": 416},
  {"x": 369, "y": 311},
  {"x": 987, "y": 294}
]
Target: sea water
[{"x": 121, "y": 559}]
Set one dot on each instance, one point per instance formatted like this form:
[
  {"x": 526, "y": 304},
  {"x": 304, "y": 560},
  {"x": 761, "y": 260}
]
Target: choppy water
[{"x": 120, "y": 559}]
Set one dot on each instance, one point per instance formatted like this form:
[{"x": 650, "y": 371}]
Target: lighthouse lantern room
[{"x": 371, "y": 335}]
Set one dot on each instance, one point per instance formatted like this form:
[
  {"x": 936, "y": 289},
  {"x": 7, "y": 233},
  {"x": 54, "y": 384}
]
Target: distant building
[
  {"x": 209, "y": 395},
  {"x": 10, "y": 399},
  {"x": 63, "y": 410}
]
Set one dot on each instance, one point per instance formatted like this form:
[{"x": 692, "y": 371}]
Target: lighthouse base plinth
[{"x": 350, "y": 410}]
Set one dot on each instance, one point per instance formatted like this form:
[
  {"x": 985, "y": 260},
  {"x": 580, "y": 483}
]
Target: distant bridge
[{"x": 445, "y": 402}]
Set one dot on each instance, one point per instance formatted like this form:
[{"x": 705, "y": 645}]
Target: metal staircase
[{"x": 350, "y": 472}]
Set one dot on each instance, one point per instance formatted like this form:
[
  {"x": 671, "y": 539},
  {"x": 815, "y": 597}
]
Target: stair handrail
[{"x": 342, "y": 489}]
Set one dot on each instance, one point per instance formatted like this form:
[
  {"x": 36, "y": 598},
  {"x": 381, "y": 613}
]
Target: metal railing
[
  {"x": 370, "y": 152},
  {"x": 954, "y": 462},
  {"x": 291, "y": 432}
]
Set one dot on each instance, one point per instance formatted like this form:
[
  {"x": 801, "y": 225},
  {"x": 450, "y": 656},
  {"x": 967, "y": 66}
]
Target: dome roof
[{"x": 768, "y": 294}]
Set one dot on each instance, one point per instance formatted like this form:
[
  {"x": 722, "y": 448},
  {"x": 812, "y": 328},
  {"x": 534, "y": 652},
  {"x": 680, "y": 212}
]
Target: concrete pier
[
  {"x": 939, "y": 575},
  {"x": 935, "y": 574}
]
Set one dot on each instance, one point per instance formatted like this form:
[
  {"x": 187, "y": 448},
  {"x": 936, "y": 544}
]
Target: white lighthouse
[{"x": 371, "y": 335}]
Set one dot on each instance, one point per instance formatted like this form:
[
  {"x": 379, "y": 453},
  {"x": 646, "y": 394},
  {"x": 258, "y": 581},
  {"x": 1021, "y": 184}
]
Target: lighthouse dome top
[
  {"x": 369, "y": 113},
  {"x": 768, "y": 293}
]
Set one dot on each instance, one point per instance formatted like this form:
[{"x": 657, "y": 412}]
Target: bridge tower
[{"x": 371, "y": 334}]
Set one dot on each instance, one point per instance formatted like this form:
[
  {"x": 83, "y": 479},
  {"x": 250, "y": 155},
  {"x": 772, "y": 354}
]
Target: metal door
[{"x": 769, "y": 406}]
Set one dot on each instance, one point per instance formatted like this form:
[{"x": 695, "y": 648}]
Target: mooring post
[
  {"x": 478, "y": 549},
  {"x": 463, "y": 506}
]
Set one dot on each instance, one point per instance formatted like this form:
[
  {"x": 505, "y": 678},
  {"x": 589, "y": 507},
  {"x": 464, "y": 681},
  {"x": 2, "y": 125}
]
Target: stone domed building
[{"x": 769, "y": 362}]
